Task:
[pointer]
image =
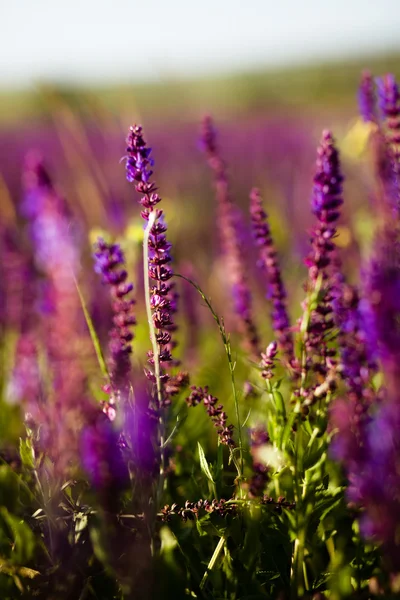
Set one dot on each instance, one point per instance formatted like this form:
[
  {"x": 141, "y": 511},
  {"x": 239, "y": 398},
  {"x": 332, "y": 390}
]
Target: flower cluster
[
  {"x": 101, "y": 455},
  {"x": 215, "y": 411},
  {"x": 380, "y": 305},
  {"x": 389, "y": 103},
  {"x": 276, "y": 288},
  {"x": 109, "y": 262},
  {"x": 57, "y": 255},
  {"x": 163, "y": 297},
  {"x": 326, "y": 201},
  {"x": 192, "y": 510},
  {"x": 268, "y": 359},
  {"x": 228, "y": 231},
  {"x": 366, "y": 98},
  {"x": 356, "y": 363},
  {"x": 278, "y": 504},
  {"x": 368, "y": 420}
]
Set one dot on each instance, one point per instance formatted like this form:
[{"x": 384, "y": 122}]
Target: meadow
[{"x": 200, "y": 339}]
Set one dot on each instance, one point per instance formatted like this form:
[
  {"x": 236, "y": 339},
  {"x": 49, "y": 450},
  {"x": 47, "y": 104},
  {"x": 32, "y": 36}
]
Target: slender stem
[
  {"x": 151, "y": 221},
  {"x": 231, "y": 364},
  {"x": 239, "y": 425},
  {"x": 213, "y": 560},
  {"x": 153, "y": 338}
]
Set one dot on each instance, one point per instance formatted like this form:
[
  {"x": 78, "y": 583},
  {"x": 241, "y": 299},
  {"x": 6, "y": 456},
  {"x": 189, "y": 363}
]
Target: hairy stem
[
  {"x": 231, "y": 364},
  {"x": 153, "y": 338}
]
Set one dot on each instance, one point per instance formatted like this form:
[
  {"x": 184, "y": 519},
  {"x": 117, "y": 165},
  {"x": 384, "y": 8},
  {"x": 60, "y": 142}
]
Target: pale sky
[{"x": 95, "y": 41}]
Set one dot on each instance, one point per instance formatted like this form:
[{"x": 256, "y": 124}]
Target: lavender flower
[
  {"x": 215, "y": 411},
  {"x": 369, "y": 451},
  {"x": 56, "y": 249},
  {"x": 351, "y": 415},
  {"x": 357, "y": 366},
  {"x": 163, "y": 298},
  {"x": 326, "y": 201},
  {"x": 110, "y": 264},
  {"x": 101, "y": 456},
  {"x": 17, "y": 272},
  {"x": 229, "y": 239},
  {"x": 192, "y": 510},
  {"x": 367, "y": 421},
  {"x": 366, "y": 98},
  {"x": 25, "y": 385},
  {"x": 389, "y": 102},
  {"x": 380, "y": 306},
  {"x": 268, "y": 360},
  {"x": 269, "y": 261}
]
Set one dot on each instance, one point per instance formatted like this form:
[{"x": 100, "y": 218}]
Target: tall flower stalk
[
  {"x": 324, "y": 280},
  {"x": 110, "y": 264},
  {"x": 228, "y": 232},
  {"x": 56, "y": 253},
  {"x": 138, "y": 172},
  {"x": 389, "y": 103},
  {"x": 367, "y": 99},
  {"x": 269, "y": 262}
]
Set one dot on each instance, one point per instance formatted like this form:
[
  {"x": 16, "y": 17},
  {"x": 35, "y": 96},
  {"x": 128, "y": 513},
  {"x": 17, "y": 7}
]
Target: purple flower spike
[
  {"x": 389, "y": 97},
  {"x": 327, "y": 190},
  {"x": 215, "y": 411},
  {"x": 109, "y": 262},
  {"x": 322, "y": 261},
  {"x": 229, "y": 236},
  {"x": 101, "y": 456},
  {"x": 269, "y": 262},
  {"x": 268, "y": 359},
  {"x": 163, "y": 296},
  {"x": 381, "y": 304},
  {"x": 325, "y": 203},
  {"x": 366, "y": 98},
  {"x": 389, "y": 102}
]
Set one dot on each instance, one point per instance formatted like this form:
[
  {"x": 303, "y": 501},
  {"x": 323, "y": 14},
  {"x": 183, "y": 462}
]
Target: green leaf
[
  {"x": 93, "y": 334},
  {"x": 27, "y": 572},
  {"x": 204, "y": 464},
  {"x": 26, "y": 453},
  {"x": 200, "y": 529},
  {"x": 22, "y": 538},
  {"x": 180, "y": 420}
]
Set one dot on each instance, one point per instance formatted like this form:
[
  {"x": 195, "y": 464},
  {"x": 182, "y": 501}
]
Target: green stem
[
  {"x": 213, "y": 560},
  {"x": 151, "y": 221},
  {"x": 298, "y": 565},
  {"x": 153, "y": 338},
  {"x": 231, "y": 364}
]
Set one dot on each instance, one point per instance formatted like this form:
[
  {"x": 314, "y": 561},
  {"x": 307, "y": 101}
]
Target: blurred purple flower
[
  {"x": 62, "y": 332},
  {"x": 389, "y": 102},
  {"x": 366, "y": 98},
  {"x": 269, "y": 262},
  {"x": 229, "y": 236},
  {"x": 389, "y": 97},
  {"x": 101, "y": 456},
  {"x": 109, "y": 262},
  {"x": 322, "y": 263},
  {"x": 381, "y": 303}
]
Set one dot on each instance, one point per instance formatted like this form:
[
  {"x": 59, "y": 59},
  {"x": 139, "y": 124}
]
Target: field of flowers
[{"x": 200, "y": 349}]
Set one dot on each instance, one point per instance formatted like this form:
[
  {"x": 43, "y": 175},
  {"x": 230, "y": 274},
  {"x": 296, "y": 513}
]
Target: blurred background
[{"x": 74, "y": 76}]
